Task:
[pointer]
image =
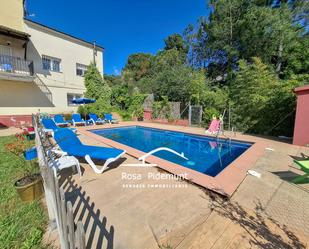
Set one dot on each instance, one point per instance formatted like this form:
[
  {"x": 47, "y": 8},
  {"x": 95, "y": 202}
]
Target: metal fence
[
  {"x": 195, "y": 115},
  {"x": 10, "y": 64},
  {"x": 40, "y": 84},
  {"x": 59, "y": 210}
]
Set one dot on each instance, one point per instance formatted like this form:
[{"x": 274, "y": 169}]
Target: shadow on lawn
[
  {"x": 258, "y": 225},
  {"x": 94, "y": 222}
]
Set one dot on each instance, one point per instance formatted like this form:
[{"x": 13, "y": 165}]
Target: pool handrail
[{"x": 143, "y": 157}]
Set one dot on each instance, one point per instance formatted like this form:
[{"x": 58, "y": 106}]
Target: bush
[
  {"x": 262, "y": 103},
  {"x": 279, "y": 114},
  {"x": 162, "y": 109},
  {"x": 214, "y": 100},
  {"x": 82, "y": 111},
  {"x": 99, "y": 107},
  {"x": 97, "y": 89},
  {"x": 125, "y": 115},
  {"x": 120, "y": 97},
  {"x": 67, "y": 116},
  {"x": 250, "y": 93},
  {"x": 136, "y": 104}
]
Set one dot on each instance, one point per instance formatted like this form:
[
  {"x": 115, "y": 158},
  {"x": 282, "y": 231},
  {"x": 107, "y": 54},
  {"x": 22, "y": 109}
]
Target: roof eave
[
  {"x": 63, "y": 33},
  {"x": 14, "y": 33}
]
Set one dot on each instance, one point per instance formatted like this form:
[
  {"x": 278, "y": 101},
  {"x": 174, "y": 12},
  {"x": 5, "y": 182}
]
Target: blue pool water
[{"x": 206, "y": 155}]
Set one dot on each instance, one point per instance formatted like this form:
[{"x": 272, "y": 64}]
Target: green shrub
[
  {"x": 135, "y": 106},
  {"x": 120, "y": 97},
  {"x": 98, "y": 89},
  {"x": 67, "y": 116},
  {"x": 81, "y": 110},
  {"x": 262, "y": 103},
  {"x": 125, "y": 115},
  {"x": 162, "y": 109}
]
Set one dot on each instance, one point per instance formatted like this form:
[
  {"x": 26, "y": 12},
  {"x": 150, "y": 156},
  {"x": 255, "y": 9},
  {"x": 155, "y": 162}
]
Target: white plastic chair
[{"x": 63, "y": 162}]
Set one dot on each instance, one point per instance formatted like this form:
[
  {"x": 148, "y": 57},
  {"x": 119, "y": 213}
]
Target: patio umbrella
[{"x": 83, "y": 101}]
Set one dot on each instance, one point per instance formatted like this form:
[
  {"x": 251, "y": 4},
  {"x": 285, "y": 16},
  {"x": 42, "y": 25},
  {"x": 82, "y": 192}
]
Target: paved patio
[
  {"x": 8, "y": 131},
  {"x": 266, "y": 212}
]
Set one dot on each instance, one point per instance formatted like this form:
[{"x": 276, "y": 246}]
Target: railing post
[
  {"x": 43, "y": 88},
  {"x": 11, "y": 64},
  {"x": 190, "y": 110},
  {"x": 70, "y": 225},
  {"x": 201, "y": 115},
  {"x": 31, "y": 68},
  {"x": 80, "y": 236}
]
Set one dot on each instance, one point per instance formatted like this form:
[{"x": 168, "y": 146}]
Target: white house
[{"x": 41, "y": 69}]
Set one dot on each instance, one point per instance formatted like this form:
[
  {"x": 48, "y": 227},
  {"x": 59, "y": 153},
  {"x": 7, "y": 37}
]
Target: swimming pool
[{"x": 206, "y": 155}]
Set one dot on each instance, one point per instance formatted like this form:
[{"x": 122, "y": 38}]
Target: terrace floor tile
[{"x": 266, "y": 212}]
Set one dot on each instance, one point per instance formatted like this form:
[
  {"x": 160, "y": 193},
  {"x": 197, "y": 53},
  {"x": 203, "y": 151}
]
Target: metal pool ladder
[{"x": 143, "y": 157}]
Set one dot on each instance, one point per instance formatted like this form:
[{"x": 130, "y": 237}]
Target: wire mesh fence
[{"x": 195, "y": 115}]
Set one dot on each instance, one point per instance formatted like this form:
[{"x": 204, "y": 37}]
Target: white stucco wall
[
  {"x": 11, "y": 14},
  {"x": 44, "y": 41},
  {"x": 18, "y": 97},
  {"x": 21, "y": 94}
]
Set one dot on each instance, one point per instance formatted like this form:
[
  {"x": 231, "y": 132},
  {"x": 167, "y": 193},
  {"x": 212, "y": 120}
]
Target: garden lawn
[{"x": 21, "y": 224}]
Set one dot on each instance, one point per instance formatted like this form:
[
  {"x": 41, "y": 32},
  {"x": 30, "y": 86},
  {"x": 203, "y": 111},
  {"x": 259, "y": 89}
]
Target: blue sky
[{"x": 122, "y": 27}]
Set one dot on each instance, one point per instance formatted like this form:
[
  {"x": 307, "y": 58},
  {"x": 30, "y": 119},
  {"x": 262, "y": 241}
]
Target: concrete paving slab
[{"x": 266, "y": 212}]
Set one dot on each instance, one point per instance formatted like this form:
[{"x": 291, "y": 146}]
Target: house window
[
  {"x": 81, "y": 69},
  {"x": 56, "y": 65},
  {"x": 46, "y": 63},
  {"x": 71, "y": 96},
  {"x": 51, "y": 63}
]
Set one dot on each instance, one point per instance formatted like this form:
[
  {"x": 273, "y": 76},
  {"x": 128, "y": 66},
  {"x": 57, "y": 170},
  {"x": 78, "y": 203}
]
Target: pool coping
[{"x": 224, "y": 183}]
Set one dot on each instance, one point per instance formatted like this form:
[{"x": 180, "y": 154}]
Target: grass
[{"x": 21, "y": 224}]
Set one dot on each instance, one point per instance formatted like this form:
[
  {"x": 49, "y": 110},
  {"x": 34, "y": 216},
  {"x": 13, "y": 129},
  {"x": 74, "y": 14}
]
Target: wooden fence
[{"x": 59, "y": 210}]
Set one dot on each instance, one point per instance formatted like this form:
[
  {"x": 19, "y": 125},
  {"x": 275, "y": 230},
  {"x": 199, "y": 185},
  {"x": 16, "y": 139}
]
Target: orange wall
[{"x": 301, "y": 130}]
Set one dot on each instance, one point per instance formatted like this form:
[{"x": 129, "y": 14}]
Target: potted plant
[
  {"x": 30, "y": 186},
  {"x": 29, "y": 132}
]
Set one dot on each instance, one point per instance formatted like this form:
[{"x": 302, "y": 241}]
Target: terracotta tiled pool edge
[{"x": 225, "y": 183}]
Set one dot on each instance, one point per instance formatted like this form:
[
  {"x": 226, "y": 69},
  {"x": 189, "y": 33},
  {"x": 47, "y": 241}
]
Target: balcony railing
[{"x": 14, "y": 65}]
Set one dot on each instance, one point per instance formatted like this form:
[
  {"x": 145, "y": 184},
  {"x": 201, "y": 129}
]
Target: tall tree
[
  {"x": 97, "y": 89},
  {"x": 176, "y": 41},
  {"x": 250, "y": 93},
  {"x": 94, "y": 83},
  {"x": 241, "y": 29},
  {"x": 268, "y": 33},
  {"x": 137, "y": 67},
  {"x": 172, "y": 78},
  {"x": 196, "y": 39}
]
